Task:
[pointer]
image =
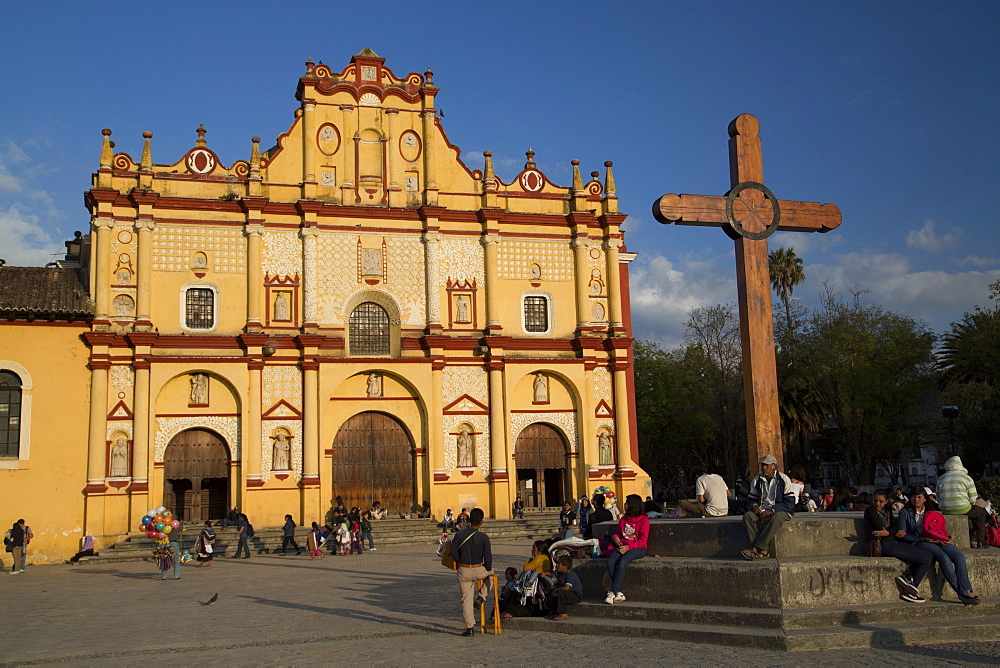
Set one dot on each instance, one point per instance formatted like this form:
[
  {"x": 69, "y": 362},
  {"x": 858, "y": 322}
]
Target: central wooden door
[
  {"x": 540, "y": 457},
  {"x": 373, "y": 461},
  {"x": 196, "y": 473}
]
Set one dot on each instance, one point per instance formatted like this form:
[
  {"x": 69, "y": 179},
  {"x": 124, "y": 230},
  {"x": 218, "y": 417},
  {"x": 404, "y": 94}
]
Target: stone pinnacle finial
[
  {"x": 609, "y": 180},
  {"x": 106, "y": 153},
  {"x": 200, "y": 142},
  {"x": 577, "y": 179},
  {"x": 309, "y": 69},
  {"x": 255, "y": 152},
  {"x": 488, "y": 174},
  {"x": 146, "y": 164},
  {"x": 429, "y": 78},
  {"x": 530, "y": 154}
]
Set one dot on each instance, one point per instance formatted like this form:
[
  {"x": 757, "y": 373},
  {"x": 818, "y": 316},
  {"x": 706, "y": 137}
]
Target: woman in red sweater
[{"x": 630, "y": 544}]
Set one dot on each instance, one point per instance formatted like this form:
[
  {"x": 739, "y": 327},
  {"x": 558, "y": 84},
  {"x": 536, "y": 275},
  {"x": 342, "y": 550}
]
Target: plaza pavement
[{"x": 395, "y": 606}]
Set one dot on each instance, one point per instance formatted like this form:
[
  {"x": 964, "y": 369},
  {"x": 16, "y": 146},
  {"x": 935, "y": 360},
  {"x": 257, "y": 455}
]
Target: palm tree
[{"x": 786, "y": 272}]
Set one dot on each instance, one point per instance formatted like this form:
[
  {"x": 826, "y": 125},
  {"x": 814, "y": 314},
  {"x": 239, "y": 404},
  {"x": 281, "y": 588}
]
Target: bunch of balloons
[
  {"x": 609, "y": 495},
  {"x": 158, "y": 523}
]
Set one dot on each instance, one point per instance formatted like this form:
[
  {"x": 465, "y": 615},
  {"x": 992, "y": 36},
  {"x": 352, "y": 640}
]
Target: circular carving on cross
[{"x": 752, "y": 210}]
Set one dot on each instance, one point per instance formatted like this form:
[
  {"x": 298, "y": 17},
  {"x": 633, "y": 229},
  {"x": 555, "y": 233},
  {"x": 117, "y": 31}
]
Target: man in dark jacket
[
  {"x": 772, "y": 503},
  {"x": 473, "y": 553},
  {"x": 600, "y": 514}
]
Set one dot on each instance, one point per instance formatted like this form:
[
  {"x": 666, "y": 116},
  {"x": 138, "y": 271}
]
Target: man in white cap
[{"x": 772, "y": 503}]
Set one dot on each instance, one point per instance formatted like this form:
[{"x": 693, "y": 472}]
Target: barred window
[
  {"x": 10, "y": 414},
  {"x": 536, "y": 314},
  {"x": 369, "y": 330},
  {"x": 199, "y": 308}
]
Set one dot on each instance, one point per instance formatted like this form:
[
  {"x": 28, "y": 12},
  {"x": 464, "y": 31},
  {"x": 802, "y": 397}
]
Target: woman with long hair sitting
[
  {"x": 629, "y": 544},
  {"x": 879, "y": 524},
  {"x": 949, "y": 559}
]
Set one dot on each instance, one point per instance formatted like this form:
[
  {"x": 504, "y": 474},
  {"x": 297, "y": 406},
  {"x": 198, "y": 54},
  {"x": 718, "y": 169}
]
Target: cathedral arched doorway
[
  {"x": 196, "y": 476},
  {"x": 373, "y": 461},
  {"x": 540, "y": 455}
]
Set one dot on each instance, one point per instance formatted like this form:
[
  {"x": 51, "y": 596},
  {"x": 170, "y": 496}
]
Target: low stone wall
[{"x": 805, "y": 535}]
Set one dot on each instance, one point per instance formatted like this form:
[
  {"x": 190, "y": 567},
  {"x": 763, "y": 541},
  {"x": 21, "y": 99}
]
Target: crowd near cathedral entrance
[
  {"x": 355, "y": 309},
  {"x": 373, "y": 460}
]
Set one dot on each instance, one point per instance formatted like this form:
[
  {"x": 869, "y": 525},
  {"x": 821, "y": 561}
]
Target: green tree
[
  {"x": 969, "y": 363},
  {"x": 873, "y": 367},
  {"x": 786, "y": 271}
]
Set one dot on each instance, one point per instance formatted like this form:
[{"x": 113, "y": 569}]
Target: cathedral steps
[{"x": 386, "y": 532}]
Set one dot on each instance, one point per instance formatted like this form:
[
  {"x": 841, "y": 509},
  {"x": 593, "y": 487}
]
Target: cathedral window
[
  {"x": 537, "y": 314},
  {"x": 10, "y": 414},
  {"x": 369, "y": 330},
  {"x": 200, "y": 308}
]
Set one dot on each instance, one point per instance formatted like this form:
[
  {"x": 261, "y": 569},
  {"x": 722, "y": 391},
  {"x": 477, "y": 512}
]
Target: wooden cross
[{"x": 749, "y": 213}]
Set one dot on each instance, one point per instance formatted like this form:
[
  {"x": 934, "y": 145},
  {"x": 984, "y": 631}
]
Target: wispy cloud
[
  {"x": 24, "y": 242},
  {"x": 976, "y": 261},
  {"x": 23, "y": 238},
  {"x": 927, "y": 238}
]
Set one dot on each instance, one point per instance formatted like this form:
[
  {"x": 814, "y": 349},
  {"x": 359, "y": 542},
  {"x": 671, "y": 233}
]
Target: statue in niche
[
  {"x": 541, "y": 387},
  {"x": 200, "y": 260},
  {"x": 466, "y": 449},
  {"x": 199, "y": 389},
  {"x": 124, "y": 276},
  {"x": 281, "y": 454},
  {"x": 281, "y": 307},
  {"x": 119, "y": 458},
  {"x": 374, "y": 385},
  {"x": 536, "y": 272},
  {"x": 462, "y": 309},
  {"x": 604, "y": 447}
]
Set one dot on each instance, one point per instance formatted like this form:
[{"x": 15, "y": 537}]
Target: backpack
[
  {"x": 250, "y": 531},
  {"x": 934, "y": 526},
  {"x": 992, "y": 530},
  {"x": 366, "y": 526}
]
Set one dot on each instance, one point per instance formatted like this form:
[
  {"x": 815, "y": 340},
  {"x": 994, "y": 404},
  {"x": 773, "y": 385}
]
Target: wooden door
[
  {"x": 373, "y": 461},
  {"x": 540, "y": 455},
  {"x": 192, "y": 458}
]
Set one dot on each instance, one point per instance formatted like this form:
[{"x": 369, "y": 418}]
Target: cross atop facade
[{"x": 749, "y": 213}]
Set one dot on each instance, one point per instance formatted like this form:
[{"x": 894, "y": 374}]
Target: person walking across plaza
[
  {"x": 13, "y": 542},
  {"x": 28, "y": 535},
  {"x": 473, "y": 554},
  {"x": 243, "y": 537},
  {"x": 205, "y": 545},
  {"x": 957, "y": 495},
  {"x": 630, "y": 542},
  {"x": 772, "y": 503},
  {"x": 288, "y": 536}
]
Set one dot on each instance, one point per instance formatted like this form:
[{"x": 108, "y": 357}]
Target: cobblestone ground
[{"x": 394, "y": 606}]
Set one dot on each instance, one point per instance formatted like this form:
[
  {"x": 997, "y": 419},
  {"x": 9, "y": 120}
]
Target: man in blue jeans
[{"x": 242, "y": 533}]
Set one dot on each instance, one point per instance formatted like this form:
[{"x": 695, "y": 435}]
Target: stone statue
[
  {"x": 281, "y": 307},
  {"x": 541, "y": 389},
  {"x": 119, "y": 458},
  {"x": 281, "y": 459},
  {"x": 466, "y": 449},
  {"x": 374, "y": 385},
  {"x": 462, "y": 309},
  {"x": 199, "y": 388},
  {"x": 604, "y": 447}
]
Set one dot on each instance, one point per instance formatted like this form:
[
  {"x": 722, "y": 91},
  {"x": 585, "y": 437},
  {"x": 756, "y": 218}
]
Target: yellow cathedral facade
[{"x": 353, "y": 312}]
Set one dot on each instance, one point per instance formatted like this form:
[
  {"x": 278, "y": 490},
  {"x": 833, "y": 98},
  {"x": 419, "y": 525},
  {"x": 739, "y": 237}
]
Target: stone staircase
[
  {"x": 386, "y": 532},
  {"x": 815, "y": 595}
]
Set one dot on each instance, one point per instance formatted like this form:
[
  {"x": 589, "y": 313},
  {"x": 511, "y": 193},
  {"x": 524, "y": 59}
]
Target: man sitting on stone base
[{"x": 772, "y": 503}]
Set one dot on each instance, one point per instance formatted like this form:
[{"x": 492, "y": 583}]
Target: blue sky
[{"x": 887, "y": 109}]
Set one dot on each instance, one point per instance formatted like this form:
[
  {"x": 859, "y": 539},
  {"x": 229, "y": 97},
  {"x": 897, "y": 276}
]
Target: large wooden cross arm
[{"x": 749, "y": 213}]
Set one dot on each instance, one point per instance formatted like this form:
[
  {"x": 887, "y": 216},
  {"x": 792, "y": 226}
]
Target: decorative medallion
[
  {"x": 125, "y": 237},
  {"x": 200, "y": 161},
  {"x": 532, "y": 180},
  {"x": 409, "y": 146},
  {"x": 369, "y": 100},
  {"x": 123, "y": 305},
  {"x": 597, "y": 311},
  {"x": 328, "y": 138}
]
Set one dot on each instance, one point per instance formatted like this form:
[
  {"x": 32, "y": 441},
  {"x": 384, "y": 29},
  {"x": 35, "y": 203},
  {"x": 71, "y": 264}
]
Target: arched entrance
[
  {"x": 196, "y": 476},
  {"x": 373, "y": 461},
  {"x": 542, "y": 475}
]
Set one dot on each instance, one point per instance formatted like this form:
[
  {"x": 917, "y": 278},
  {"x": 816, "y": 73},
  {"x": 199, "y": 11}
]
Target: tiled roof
[{"x": 43, "y": 292}]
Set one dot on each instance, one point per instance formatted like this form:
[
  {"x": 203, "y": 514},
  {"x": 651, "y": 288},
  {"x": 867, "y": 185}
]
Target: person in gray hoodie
[{"x": 957, "y": 495}]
